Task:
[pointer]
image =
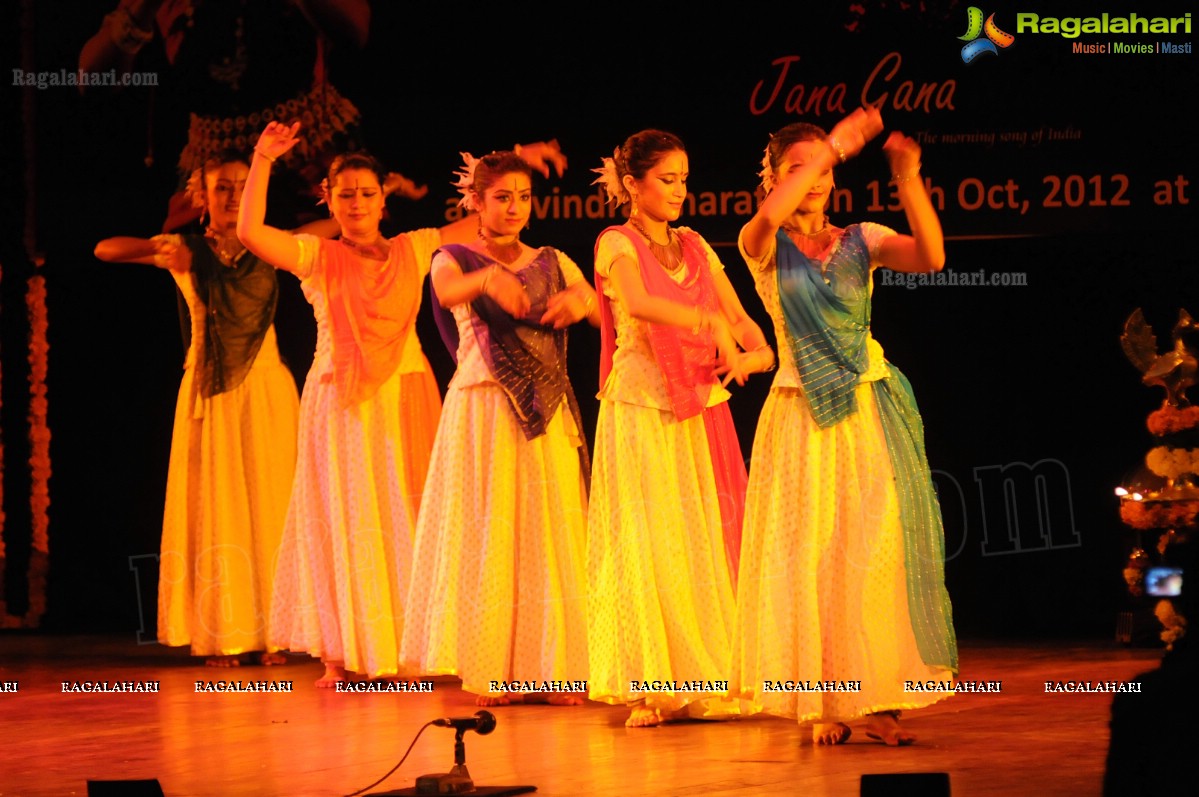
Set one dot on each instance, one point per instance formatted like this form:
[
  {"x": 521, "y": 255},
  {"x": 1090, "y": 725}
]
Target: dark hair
[
  {"x": 642, "y": 151},
  {"x": 223, "y": 157},
  {"x": 494, "y": 166},
  {"x": 793, "y": 133},
  {"x": 356, "y": 160}
]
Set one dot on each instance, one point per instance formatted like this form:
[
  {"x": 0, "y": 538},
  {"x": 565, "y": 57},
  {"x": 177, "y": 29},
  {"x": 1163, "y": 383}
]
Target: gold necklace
[
  {"x": 227, "y": 248},
  {"x": 669, "y": 254},
  {"x": 507, "y": 253},
  {"x": 375, "y": 251},
  {"x": 823, "y": 229}
]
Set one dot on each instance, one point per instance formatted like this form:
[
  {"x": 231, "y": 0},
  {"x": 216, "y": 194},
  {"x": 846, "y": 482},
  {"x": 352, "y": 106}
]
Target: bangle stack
[
  {"x": 588, "y": 302},
  {"x": 703, "y": 321},
  {"x": 837, "y": 149},
  {"x": 911, "y": 174}
]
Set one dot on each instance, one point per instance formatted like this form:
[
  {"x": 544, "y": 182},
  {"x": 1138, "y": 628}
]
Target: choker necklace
[
  {"x": 226, "y": 247},
  {"x": 823, "y": 229},
  {"x": 507, "y": 253},
  {"x": 669, "y": 254},
  {"x": 375, "y": 251}
]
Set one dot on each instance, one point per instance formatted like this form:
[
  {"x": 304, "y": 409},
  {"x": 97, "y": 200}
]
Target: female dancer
[
  {"x": 668, "y": 487},
  {"x": 842, "y": 562},
  {"x": 499, "y": 574},
  {"x": 233, "y": 447},
  {"x": 369, "y": 410}
]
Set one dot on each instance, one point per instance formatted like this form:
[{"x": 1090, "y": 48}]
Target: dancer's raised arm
[
  {"x": 924, "y": 249},
  {"x": 275, "y": 246},
  {"x": 788, "y": 182}
]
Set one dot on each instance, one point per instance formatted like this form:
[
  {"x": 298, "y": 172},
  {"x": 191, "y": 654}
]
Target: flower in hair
[
  {"x": 466, "y": 182},
  {"x": 195, "y": 188},
  {"x": 767, "y": 173},
  {"x": 617, "y": 195}
]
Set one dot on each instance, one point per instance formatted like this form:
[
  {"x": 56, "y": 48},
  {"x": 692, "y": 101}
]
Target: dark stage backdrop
[{"x": 1065, "y": 178}]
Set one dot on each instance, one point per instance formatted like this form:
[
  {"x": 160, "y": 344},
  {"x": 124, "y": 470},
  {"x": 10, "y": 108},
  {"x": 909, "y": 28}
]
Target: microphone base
[{"x": 445, "y": 783}]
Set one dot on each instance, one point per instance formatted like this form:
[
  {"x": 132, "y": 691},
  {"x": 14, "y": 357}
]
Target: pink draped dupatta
[{"x": 688, "y": 368}]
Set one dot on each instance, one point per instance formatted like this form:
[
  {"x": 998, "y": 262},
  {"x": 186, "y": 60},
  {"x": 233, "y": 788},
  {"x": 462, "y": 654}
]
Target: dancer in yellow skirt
[
  {"x": 668, "y": 485},
  {"x": 233, "y": 447},
  {"x": 842, "y": 561},
  {"x": 498, "y": 593}
]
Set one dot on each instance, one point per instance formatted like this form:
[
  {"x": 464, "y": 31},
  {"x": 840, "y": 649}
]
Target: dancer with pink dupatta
[{"x": 668, "y": 478}]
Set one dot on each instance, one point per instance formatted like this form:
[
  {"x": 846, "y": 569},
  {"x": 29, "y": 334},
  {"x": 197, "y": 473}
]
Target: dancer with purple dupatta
[{"x": 498, "y": 591}]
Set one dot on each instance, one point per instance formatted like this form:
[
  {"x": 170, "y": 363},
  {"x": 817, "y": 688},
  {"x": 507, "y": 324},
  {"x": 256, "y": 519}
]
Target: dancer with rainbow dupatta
[{"x": 842, "y": 575}]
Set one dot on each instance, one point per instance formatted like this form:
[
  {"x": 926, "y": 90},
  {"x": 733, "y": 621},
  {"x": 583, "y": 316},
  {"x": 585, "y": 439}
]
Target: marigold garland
[
  {"x": 1147, "y": 515},
  {"x": 1, "y": 465},
  {"x": 39, "y": 439},
  {"x": 1170, "y": 463},
  {"x": 1169, "y": 420},
  {"x": 1174, "y": 625}
]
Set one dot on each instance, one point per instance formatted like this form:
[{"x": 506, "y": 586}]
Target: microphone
[{"x": 482, "y": 723}]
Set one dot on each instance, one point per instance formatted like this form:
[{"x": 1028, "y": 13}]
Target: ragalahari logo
[{"x": 975, "y": 27}]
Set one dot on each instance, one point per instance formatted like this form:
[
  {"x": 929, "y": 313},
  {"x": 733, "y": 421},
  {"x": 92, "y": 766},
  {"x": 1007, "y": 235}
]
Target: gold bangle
[
  {"x": 588, "y": 302},
  {"x": 257, "y": 151},
  {"x": 773, "y": 360},
  {"x": 699, "y": 321},
  {"x": 838, "y": 150},
  {"x": 900, "y": 179},
  {"x": 486, "y": 279}
]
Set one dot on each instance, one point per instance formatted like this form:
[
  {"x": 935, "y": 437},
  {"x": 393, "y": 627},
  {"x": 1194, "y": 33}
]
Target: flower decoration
[
  {"x": 466, "y": 182},
  {"x": 767, "y": 173},
  {"x": 1171, "y": 463},
  {"x": 610, "y": 182},
  {"x": 195, "y": 188},
  {"x": 1169, "y": 420},
  {"x": 1174, "y": 625}
]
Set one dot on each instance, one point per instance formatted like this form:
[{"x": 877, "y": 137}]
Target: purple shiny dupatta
[{"x": 526, "y": 358}]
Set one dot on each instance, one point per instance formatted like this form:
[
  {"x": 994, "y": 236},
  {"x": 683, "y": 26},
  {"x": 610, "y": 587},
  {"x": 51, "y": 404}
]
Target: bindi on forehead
[{"x": 356, "y": 180}]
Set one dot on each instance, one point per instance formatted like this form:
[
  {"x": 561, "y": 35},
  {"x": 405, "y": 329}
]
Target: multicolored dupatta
[
  {"x": 828, "y": 323},
  {"x": 526, "y": 358},
  {"x": 688, "y": 369}
]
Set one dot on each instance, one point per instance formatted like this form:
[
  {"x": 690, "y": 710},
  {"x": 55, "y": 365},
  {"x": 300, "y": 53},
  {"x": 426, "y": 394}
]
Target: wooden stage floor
[{"x": 1020, "y": 741}]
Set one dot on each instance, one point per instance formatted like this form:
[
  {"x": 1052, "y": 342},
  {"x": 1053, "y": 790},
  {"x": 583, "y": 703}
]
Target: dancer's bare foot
[
  {"x": 642, "y": 717},
  {"x": 830, "y": 733},
  {"x": 490, "y": 701},
  {"x": 223, "y": 661},
  {"x": 335, "y": 673},
  {"x": 271, "y": 658},
  {"x": 884, "y": 727}
]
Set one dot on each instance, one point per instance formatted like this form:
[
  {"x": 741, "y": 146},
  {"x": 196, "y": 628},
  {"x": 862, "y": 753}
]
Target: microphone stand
[{"x": 457, "y": 780}]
